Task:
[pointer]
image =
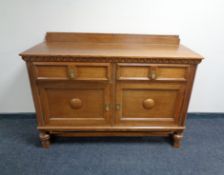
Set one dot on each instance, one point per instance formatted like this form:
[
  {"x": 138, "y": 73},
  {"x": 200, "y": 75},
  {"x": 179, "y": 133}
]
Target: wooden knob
[
  {"x": 148, "y": 103},
  {"x": 76, "y": 103},
  {"x": 153, "y": 75},
  {"x": 71, "y": 73}
]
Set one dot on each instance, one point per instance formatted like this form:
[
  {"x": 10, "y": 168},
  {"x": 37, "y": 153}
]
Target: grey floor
[{"x": 202, "y": 151}]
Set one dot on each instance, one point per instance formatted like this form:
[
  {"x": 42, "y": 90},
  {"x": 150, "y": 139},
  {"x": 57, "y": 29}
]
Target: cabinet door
[
  {"x": 75, "y": 104},
  {"x": 148, "y": 104}
]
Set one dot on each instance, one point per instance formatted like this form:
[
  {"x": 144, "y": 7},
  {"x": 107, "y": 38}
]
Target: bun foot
[
  {"x": 177, "y": 138},
  {"x": 45, "y": 139}
]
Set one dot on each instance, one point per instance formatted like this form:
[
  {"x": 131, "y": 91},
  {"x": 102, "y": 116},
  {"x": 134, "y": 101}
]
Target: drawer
[
  {"x": 72, "y": 71},
  {"x": 165, "y": 72}
]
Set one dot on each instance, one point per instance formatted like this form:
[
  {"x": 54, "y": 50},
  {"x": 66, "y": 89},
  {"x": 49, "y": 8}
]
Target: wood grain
[
  {"x": 113, "y": 38},
  {"x": 87, "y": 84}
]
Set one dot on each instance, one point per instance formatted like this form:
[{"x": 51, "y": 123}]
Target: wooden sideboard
[{"x": 92, "y": 84}]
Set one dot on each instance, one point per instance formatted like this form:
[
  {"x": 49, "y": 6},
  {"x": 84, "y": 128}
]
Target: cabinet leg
[
  {"x": 177, "y": 138},
  {"x": 45, "y": 139}
]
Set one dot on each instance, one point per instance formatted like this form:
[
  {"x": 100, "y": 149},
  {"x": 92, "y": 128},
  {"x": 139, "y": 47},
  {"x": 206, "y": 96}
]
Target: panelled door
[
  {"x": 148, "y": 103},
  {"x": 76, "y": 104}
]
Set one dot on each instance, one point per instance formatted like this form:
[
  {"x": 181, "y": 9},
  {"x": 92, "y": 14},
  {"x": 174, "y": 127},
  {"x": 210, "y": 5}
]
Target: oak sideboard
[{"x": 95, "y": 84}]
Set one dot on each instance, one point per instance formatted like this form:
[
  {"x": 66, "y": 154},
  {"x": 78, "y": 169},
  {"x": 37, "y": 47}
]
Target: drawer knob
[
  {"x": 153, "y": 75},
  {"x": 76, "y": 103},
  {"x": 148, "y": 103},
  {"x": 71, "y": 73}
]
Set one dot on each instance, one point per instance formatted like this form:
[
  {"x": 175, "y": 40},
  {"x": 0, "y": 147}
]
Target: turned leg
[
  {"x": 45, "y": 139},
  {"x": 177, "y": 138}
]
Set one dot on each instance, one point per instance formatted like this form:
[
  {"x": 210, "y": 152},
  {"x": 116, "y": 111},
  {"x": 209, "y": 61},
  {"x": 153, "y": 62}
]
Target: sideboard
[{"x": 95, "y": 84}]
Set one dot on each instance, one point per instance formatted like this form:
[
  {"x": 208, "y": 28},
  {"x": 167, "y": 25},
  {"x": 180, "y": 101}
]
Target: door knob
[
  {"x": 76, "y": 103},
  {"x": 148, "y": 103}
]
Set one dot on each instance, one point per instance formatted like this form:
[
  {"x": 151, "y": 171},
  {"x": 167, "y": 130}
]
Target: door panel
[
  {"x": 79, "y": 104},
  {"x": 148, "y": 103}
]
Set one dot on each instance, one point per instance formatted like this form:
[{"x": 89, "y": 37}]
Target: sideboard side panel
[
  {"x": 191, "y": 76},
  {"x": 35, "y": 94}
]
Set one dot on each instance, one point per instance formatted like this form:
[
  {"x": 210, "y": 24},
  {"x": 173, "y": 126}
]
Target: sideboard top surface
[{"x": 111, "y": 45}]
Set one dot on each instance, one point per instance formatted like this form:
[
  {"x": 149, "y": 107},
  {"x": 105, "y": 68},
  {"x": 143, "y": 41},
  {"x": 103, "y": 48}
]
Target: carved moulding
[{"x": 111, "y": 59}]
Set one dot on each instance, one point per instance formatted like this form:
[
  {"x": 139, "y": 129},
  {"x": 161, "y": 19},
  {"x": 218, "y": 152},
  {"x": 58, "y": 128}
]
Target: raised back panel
[{"x": 112, "y": 38}]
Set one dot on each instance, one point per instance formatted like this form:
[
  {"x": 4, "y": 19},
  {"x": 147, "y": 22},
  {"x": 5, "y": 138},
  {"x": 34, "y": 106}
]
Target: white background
[{"x": 200, "y": 24}]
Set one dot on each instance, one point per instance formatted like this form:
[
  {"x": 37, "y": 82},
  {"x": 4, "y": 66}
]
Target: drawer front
[
  {"x": 152, "y": 72},
  {"x": 147, "y": 104},
  {"x": 75, "y": 104},
  {"x": 72, "y": 71}
]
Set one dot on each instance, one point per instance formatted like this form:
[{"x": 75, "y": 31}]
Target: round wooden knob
[
  {"x": 148, "y": 103},
  {"x": 76, "y": 103}
]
